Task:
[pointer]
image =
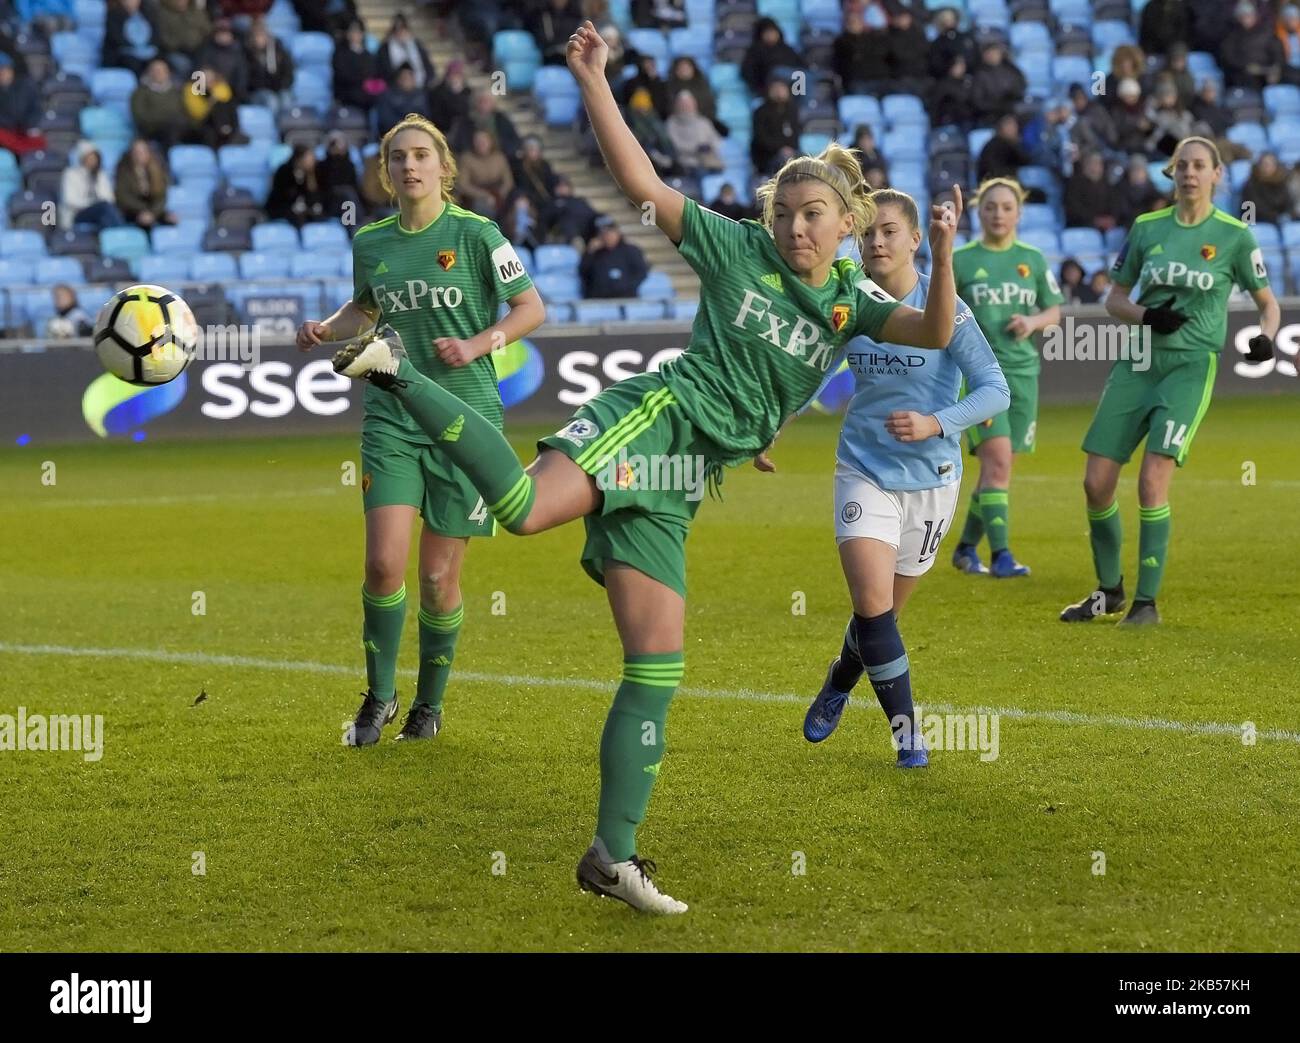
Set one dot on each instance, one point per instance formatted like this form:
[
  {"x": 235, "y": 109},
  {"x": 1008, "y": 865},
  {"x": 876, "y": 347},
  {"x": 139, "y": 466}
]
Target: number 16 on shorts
[{"x": 913, "y": 521}]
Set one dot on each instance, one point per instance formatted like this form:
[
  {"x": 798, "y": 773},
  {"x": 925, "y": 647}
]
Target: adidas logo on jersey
[
  {"x": 773, "y": 280},
  {"x": 980, "y": 273},
  {"x": 382, "y": 269},
  {"x": 1157, "y": 249},
  {"x": 453, "y": 430}
]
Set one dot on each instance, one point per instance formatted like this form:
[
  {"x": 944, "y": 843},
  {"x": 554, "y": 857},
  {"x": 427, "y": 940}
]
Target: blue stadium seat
[
  {"x": 555, "y": 258},
  {"x": 214, "y": 267},
  {"x": 555, "y": 87},
  {"x": 990, "y": 14},
  {"x": 310, "y": 49},
  {"x": 1082, "y": 241},
  {"x": 823, "y": 15},
  {"x": 1078, "y": 12},
  {"x": 1044, "y": 239},
  {"x": 1252, "y": 135},
  {"x": 734, "y": 111},
  {"x": 1108, "y": 35},
  {"x": 1291, "y": 235},
  {"x": 256, "y": 185},
  {"x": 1201, "y": 64},
  {"x": 903, "y": 145},
  {"x": 650, "y": 42},
  {"x": 978, "y": 138},
  {"x": 1030, "y": 35},
  {"x": 258, "y": 123},
  {"x": 126, "y": 242},
  {"x": 163, "y": 271},
  {"x": 725, "y": 74},
  {"x": 102, "y": 125},
  {"x": 90, "y": 13},
  {"x": 683, "y": 311},
  {"x": 1282, "y": 99},
  {"x": 592, "y": 312},
  {"x": 514, "y": 45},
  {"x": 689, "y": 42},
  {"x": 324, "y": 235},
  {"x": 643, "y": 311},
  {"x": 813, "y": 144},
  {"x": 74, "y": 53},
  {"x": 254, "y": 265},
  {"x": 1038, "y": 215},
  {"x": 558, "y": 286},
  {"x": 856, "y": 109},
  {"x": 345, "y": 263},
  {"x": 282, "y": 19},
  {"x": 21, "y": 243},
  {"x": 16, "y": 272},
  {"x": 1268, "y": 236},
  {"x": 1115, "y": 239},
  {"x": 311, "y": 89},
  {"x": 313, "y": 265},
  {"x": 1238, "y": 172},
  {"x": 525, "y": 256},
  {"x": 520, "y": 73},
  {"x": 275, "y": 237},
  {"x": 186, "y": 161},
  {"x": 183, "y": 238},
  {"x": 906, "y": 108},
  {"x": 189, "y": 202},
  {"x": 112, "y": 88},
  {"x": 657, "y": 286},
  {"x": 242, "y": 159},
  {"x": 1071, "y": 68}
]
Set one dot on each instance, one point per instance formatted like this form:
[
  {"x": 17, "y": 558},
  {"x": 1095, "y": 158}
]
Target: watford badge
[
  {"x": 1023, "y": 269},
  {"x": 365, "y": 482},
  {"x": 839, "y": 316},
  {"x": 1208, "y": 251},
  {"x": 446, "y": 259}
]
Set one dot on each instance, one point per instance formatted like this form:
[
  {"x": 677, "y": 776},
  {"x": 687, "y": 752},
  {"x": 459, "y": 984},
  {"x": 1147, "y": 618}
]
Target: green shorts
[
  {"x": 653, "y": 467},
  {"x": 396, "y": 471},
  {"x": 1018, "y": 422},
  {"x": 1164, "y": 403}
]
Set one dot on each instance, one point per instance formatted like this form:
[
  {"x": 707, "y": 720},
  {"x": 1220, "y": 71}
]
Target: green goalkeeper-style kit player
[
  {"x": 1183, "y": 261},
  {"x": 436, "y": 274},
  {"x": 775, "y": 306}
]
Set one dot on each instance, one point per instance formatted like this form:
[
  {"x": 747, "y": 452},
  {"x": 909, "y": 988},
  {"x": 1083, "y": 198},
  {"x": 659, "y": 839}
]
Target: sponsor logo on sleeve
[{"x": 507, "y": 263}]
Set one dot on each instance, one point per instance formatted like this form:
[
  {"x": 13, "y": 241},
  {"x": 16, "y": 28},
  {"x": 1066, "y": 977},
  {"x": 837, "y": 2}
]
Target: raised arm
[
  {"x": 932, "y": 328},
  {"x": 626, "y": 159}
]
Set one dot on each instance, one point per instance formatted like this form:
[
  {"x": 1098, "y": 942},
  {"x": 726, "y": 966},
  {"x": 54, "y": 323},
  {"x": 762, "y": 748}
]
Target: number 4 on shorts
[
  {"x": 479, "y": 514},
  {"x": 1172, "y": 437}
]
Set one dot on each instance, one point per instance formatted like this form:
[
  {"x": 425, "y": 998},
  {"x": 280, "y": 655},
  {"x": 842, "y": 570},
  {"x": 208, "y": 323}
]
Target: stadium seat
[
  {"x": 901, "y": 146},
  {"x": 977, "y": 139},
  {"x": 856, "y": 109},
  {"x": 258, "y": 122},
  {"x": 126, "y": 242},
  {"x": 313, "y": 265},
  {"x": 180, "y": 239},
  {"x": 16, "y": 272},
  {"x": 73, "y": 243},
  {"x": 312, "y": 49},
  {"x": 1108, "y": 35},
  {"x": 1044, "y": 239},
  {"x": 689, "y": 42},
  {"x": 514, "y": 45},
  {"x": 906, "y": 108},
  {"x": 311, "y": 89},
  {"x": 1282, "y": 98},
  {"x": 163, "y": 271},
  {"x": 275, "y": 237},
  {"x": 233, "y": 240},
  {"x": 103, "y": 125},
  {"x": 189, "y": 202},
  {"x": 823, "y": 15},
  {"x": 657, "y": 286},
  {"x": 723, "y": 75},
  {"x": 813, "y": 144},
  {"x": 254, "y": 265},
  {"x": 1252, "y": 135},
  {"x": 649, "y": 42},
  {"x": 592, "y": 312},
  {"x": 282, "y": 19},
  {"x": 21, "y": 243},
  {"x": 1268, "y": 236},
  {"x": 324, "y": 235},
  {"x": 345, "y": 263},
  {"x": 643, "y": 311},
  {"x": 555, "y": 258},
  {"x": 73, "y": 53},
  {"x": 558, "y": 286},
  {"x": 683, "y": 311},
  {"x": 214, "y": 267},
  {"x": 112, "y": 88},
  {"x": 1069, "y": 69},
  {"x": 1038, "y": 215},
  {"x": 188, "y": 161},
  {"x": 1076, "y": 241}
]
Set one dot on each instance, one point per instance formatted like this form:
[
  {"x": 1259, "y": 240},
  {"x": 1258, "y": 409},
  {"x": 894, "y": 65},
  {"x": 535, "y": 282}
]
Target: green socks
[
  {"x": 1153, "y": 548},
  {"x": 632, "y": 747},
  {"x": 472, "y": 442},
  {"x": 438, "y": 634},
  {"x": 381, "y": 633},
  {"x": 995, "y": 508},
  {"x": 1107, "y": 537},
  {"x": 974, "y": 529}
]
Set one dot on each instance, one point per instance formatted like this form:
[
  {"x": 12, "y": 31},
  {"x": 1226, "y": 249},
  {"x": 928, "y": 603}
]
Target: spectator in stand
[
  {"x": 325, "y": 16},
  {"x": 659, "y": 14},
  {"x": 864, "y": 144},
  {"x": 1170, "y": 122},
  {"x": 484, "y": 177},
  {"x": 399, "y": 48},
  {"x": 1135, "y": 194},
  {"x": 1004, "y": 154},
  {"x": 1207, "y": 110},
  {"x": 1164, "y": 23},
  {"x": 860, "y": 54},
  {"x": 85, "y": 193},
  {"x": 449, "y": 102},
  {"x": 337, "y": 175},
  {"x": 695, "y": 140},
  {"x": 950, "y": 42},
  {"x": 649, "y": 129},
  {"x": 567, "y": 218},
  {"x": 403, "y": 97},
  {"x": 685, "y": 75},
  {"x": 70, "y": 319},
  {"x": 1211, "y": 22},
  {"x": 227, "y": 55},
  {"x": 180, "y": 28},
  {"x": 728, "y": 204},
  {"x": 647, "y": 77},
  {"x": 533, "y": 174},
  {"x": 357, "y": 80},
  {"x": 483, "y": 115},
  {"x": 213, "y": 112},
  {"x": 909, "y": 52},
  {"x": 235, "y": 8},
  {"x": 1049, "y": 142},
  {"x": 611, "y": 267},
  {"x": 1288, "y": 34},
  {"x": 1127, "y": 63},
  {"x": 128, "y": 37},
  {"x": 1266, "y": 190},
  {"x": 1251, "y": 55},
  {"x": 553, "y": 25},
  {"x": 270, "y": 69},
  {"x": 997, "y": 86},
  {"x": 140, "y": 187},
  {"x": 776, "y": 128},
  {"x": 1093, "y": 129},
  {"x": 519, "y": 222},
  {"x": 618, "y": 55},
  {"x": 1071, "y": 282},
  {"x": 1089, "y": 200},
  {"x": 1099, "y": 283},
  {"x": 1177, "y": 73},
  {"x": 378, "y": 202},
  {"x": 949, "y": 102},
  {"x": 767, "y": 53},
  {"x": 20, "y": 109},
  {"x": 296, "y": 194},
  {"x": 875, "y": 177},
  {"x": 157, "y": 107},
  {"x": 1133, "y": 126}
]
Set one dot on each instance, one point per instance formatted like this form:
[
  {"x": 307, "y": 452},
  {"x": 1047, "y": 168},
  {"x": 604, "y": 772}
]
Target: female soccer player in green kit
[
  {"x": 1013, "y": 294},
  {"x": 775, "y": 307},
  {"x": 1183, "y": 260},
  {"x": 437, "y": 274}
]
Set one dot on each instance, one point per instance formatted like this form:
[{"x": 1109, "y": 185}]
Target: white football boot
[
  {"x": 374, "y": 358},
  {"x": 627, "y": 881}
]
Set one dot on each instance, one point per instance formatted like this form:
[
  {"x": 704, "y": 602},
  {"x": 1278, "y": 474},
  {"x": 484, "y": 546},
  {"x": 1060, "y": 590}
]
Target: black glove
[
  {"x": 1261, "y": 348},
  {"x": 1162, "y": 318}
]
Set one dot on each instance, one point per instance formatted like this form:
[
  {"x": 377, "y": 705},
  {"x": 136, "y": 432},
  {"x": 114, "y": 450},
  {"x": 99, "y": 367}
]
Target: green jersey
[
  {"x": 763, "y": 340},
  {"x": 446, "y": 280},
  {"x": 1194, "y": 266},
  {"x": 998, "y": 284}
]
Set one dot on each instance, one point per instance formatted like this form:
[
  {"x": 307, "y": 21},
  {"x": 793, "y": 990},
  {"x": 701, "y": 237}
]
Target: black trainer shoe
[
  {"x": 370, "y": 721},
  {"x": 1100, "y": 602},
  {"x": 1142, "y": 614},
  {"x": 421, "y": 723}
]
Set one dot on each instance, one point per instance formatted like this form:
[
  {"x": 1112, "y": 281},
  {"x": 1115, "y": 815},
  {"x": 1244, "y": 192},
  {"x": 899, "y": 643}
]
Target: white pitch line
[
  {"x": 154, "y": 501},
  {"x": 1281, "y": 483},
  {"x": 1067, "y": 717}
]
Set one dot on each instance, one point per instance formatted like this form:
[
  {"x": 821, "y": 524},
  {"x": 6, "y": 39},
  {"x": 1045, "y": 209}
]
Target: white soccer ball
[{"x": 145, "y": 335}]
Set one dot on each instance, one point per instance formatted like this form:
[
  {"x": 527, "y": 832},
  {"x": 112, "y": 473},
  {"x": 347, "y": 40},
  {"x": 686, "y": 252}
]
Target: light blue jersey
[{"x": 890, "y": 377}]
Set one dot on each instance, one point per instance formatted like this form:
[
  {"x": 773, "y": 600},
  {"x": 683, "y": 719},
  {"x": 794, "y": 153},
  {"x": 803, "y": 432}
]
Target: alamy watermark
[
  {"x": 1097, "y": 342},
  {"x": 237, "y": 342},
  {"x": 24, "y": 732},
  {"x": 673, "y": 472},
  {"x": 952, "y": 732}
]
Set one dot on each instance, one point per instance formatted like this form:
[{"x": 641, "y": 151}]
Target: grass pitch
[{"x": 1115, "y": 745}]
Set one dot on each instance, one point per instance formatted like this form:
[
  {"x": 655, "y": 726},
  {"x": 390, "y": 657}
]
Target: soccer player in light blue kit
[{"x": 897, "y": 476}]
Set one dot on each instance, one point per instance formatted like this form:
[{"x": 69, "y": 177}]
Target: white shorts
[{"x": 914, "y": 522}]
